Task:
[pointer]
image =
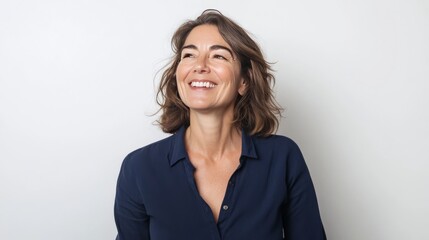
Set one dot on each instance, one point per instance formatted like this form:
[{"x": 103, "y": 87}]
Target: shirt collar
[
  {"x": 247, "y": 148},
  {"x": 178, "y": 150}
]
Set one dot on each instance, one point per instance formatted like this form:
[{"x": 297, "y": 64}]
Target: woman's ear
[
  {"x": 244, "y": 82},
  {"x": 243, "y": 87}
]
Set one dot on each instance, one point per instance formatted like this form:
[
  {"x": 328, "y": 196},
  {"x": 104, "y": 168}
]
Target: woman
[{"x": 221, "y": 175}]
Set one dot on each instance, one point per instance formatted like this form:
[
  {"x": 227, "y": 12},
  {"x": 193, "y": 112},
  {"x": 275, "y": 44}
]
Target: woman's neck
[{"x": 212, "y": 136}]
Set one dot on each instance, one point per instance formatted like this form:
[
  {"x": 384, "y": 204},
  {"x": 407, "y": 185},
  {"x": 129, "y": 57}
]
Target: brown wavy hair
[{"x": 256, "y": 111}]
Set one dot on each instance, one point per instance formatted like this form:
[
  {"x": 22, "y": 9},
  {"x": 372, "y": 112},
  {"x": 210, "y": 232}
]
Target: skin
[{"x": 212, "y": 142}]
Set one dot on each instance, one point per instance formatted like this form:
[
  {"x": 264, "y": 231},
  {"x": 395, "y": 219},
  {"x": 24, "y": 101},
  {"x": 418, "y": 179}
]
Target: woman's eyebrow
[
  {"x": 191, "y": 46},
  {"x": 214, "y": 47}
]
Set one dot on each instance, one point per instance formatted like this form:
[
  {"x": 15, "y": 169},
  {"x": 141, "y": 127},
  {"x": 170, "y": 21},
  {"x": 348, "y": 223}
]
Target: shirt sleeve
[
  {"x": 132, "y": 221},
  {"x": 301, "y": 217}
]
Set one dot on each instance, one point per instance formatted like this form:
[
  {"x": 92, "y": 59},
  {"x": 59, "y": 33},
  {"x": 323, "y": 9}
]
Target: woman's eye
[
  {"x": 217, "y": 56},
  {"x": 187, "y": 55}
]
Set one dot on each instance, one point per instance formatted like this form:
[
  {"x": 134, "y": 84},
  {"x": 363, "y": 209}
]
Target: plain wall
[{"x": 77, "y": 83}]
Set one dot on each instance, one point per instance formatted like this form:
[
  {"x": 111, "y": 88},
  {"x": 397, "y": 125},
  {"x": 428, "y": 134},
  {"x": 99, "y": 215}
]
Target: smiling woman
[
  {"x": 256, "y": 111},
  {"x": 223, "y": 174},
  {"x": 208, "y": 77}
]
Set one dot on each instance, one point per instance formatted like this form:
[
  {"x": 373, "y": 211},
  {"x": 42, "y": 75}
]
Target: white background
[{"x": 77, "y": 82}]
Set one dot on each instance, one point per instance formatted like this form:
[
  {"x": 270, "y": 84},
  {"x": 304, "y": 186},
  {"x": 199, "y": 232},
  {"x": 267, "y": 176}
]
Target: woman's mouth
[{"x": 202, "y": 84}]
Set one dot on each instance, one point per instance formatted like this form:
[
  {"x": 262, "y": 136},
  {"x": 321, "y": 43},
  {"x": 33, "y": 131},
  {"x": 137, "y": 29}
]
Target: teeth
[{"x": 202, "y": 84}]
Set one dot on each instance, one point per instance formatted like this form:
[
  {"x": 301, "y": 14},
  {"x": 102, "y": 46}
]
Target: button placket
[{"x": 227, "y": 204}]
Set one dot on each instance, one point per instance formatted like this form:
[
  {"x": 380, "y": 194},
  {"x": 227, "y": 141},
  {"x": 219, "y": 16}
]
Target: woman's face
[{"x": 208, "y": 75}]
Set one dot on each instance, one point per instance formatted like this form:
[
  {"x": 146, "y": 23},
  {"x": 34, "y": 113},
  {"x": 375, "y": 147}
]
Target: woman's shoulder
[
  {"x": 148, "y": 153},
  {"x": 280, "y": 147},
  {"x": 276, "y": 141}
]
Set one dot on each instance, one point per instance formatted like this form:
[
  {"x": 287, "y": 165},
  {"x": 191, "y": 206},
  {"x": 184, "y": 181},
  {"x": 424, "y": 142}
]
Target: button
[{"x": 225, "y": 207}]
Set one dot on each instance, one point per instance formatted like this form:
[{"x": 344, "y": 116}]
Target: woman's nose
[{"x": 201, "y": 65}]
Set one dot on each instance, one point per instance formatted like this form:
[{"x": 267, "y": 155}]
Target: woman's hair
[{"x": 256, "y": 110}]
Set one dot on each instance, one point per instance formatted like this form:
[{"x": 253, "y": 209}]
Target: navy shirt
[{"x": 270, "y": 196}]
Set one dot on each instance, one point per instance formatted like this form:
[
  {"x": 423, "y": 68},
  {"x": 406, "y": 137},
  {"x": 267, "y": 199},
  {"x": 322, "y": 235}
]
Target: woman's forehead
[{"x": 205, "y": 36}]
